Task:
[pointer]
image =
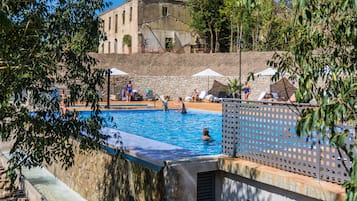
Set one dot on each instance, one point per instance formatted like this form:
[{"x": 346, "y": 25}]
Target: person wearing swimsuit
[
  {"x": 246, "y": 90},
  {"x": 128, "y": 90},
  {"x": 182, "y": 107}
]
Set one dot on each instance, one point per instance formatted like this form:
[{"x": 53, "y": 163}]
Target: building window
[
  {"x": 164, "y": 11},
  {"x": 131, "y": 14},
  {"x": 109, "y": 47},
  {"x": 116, "y": 24},
  {"x": 169, "y": 44},
  {"x": 109, "y": 23},
  {"x": 116, "y": 46},
  {"x": 123, "y": 16}
]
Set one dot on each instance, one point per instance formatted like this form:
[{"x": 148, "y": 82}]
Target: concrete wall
[
  {"x": 181, "y": 177},
  {"x": 100, "y": 176},
  {"x": 244, "y": 180},
  {"x": 234, "y": 187}
]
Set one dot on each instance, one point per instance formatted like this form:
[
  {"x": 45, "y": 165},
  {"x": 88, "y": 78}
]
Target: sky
[{"x": 115, "y": 3}]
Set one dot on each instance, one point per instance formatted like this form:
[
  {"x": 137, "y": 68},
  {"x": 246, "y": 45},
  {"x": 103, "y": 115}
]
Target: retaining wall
[
  {"x": 180, "y": 86},
  {"x": 100, "y": 176}
]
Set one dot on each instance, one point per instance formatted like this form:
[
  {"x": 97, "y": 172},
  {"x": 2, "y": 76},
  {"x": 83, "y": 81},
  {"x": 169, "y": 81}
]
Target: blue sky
[{"x": 115, "y": 3}]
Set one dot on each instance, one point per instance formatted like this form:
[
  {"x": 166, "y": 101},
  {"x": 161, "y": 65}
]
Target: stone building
[{"x": 139, "y": 26}]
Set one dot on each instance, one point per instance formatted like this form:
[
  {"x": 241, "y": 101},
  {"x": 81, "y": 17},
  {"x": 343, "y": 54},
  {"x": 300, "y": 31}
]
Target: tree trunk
[
  {"x": 241, "y": 30},
  {"x": 211, "y": 39},
  {"x": 217, "y": 41},
  {"x": 231, "y": 37}
]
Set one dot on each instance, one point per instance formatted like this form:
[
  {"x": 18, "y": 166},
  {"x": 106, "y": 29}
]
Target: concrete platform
[{"x": 146, "y": 150}]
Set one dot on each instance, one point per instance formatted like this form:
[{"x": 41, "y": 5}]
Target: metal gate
[{"x": 205, "y": 186}]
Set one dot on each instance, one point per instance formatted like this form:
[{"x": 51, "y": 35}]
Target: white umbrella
[
  {"x": 266, "y": 72},
  {"x": 206, "y": 73},
  {"x": 115, "y": 71},
  {"x": 112, "y": 71}
]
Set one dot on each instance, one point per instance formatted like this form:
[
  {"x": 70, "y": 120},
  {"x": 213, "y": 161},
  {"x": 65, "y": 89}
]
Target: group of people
[{"x": 181, "y": 105}]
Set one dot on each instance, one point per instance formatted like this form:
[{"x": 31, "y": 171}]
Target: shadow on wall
[
  {"x": 178, "y": 47},
  {"x": 124, "y": 180},
  {"x": 235, "y": 187}
]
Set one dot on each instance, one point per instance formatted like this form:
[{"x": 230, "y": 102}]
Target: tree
[
  {"x": 272, "y": 26},
  {"x": 44, "y": 45},
  {"x": 206, "y": 19},
  {"x": 263, "y": 25},
  {"x": 323, "y": 57}
]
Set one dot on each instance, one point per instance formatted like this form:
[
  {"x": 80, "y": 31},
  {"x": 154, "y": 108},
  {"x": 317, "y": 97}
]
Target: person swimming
[{"x": 205, "y": 135}]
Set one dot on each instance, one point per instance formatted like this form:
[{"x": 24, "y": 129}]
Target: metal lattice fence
[{"x": 264, "y": 132}]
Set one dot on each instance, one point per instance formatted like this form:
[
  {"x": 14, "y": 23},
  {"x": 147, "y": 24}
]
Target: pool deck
[
  {"x": 150, "y": 153},
  {"x": 117, "y": 105}
]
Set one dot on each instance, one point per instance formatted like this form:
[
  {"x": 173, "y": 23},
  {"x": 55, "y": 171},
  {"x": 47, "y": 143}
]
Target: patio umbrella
[
  {"x": 115, "y": 71},
  {"x": 283, "y": 88},
  {"x": 266, "y": 72},
  {"x": 112, "y": 71},
  {"x": 207, "y": 73}
]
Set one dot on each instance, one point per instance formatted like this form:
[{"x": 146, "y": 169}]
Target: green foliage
[
  {"x": 127, "y": 40},
  {"x": 233, "y": 87},
  {"x": 44, "y": 44},
  {"x": 262, "y": 25},
  {"x": 207, "y": 20},
  {"x": 323, "y": 58}
]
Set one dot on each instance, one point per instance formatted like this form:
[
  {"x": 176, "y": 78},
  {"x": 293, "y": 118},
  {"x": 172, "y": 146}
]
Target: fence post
[{"x": 318, "y": 147}]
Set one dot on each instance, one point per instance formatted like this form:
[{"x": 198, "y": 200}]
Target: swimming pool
[{"x": 170, "y": 127}]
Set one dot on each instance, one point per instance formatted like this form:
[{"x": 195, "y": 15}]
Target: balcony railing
[{"x": 264, "y": 132}]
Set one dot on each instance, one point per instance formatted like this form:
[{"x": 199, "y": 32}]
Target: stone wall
[
  {"x": 171, "y": 74},
  {"x": 181, "y": 86},
  {"x": 100, "y": 176}
]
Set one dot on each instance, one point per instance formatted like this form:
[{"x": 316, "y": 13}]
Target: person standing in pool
[
  {"x": 165, "y": 103},
  {"x": 246, "y": 90},
  {"x": 205, "y": 135},
  {"x": 182, "y": 107},
  {"x": 128, "y": 91}
]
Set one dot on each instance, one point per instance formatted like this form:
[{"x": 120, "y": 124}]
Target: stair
[{"x": 8, "y": 194}]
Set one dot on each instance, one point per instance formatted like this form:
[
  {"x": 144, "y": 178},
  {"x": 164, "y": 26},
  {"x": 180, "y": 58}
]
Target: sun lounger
[{"x": 202, "y": 95}]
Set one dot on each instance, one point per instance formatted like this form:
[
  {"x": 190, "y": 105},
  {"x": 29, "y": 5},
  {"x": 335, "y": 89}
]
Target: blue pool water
[{"x": 170, "y": 127}]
